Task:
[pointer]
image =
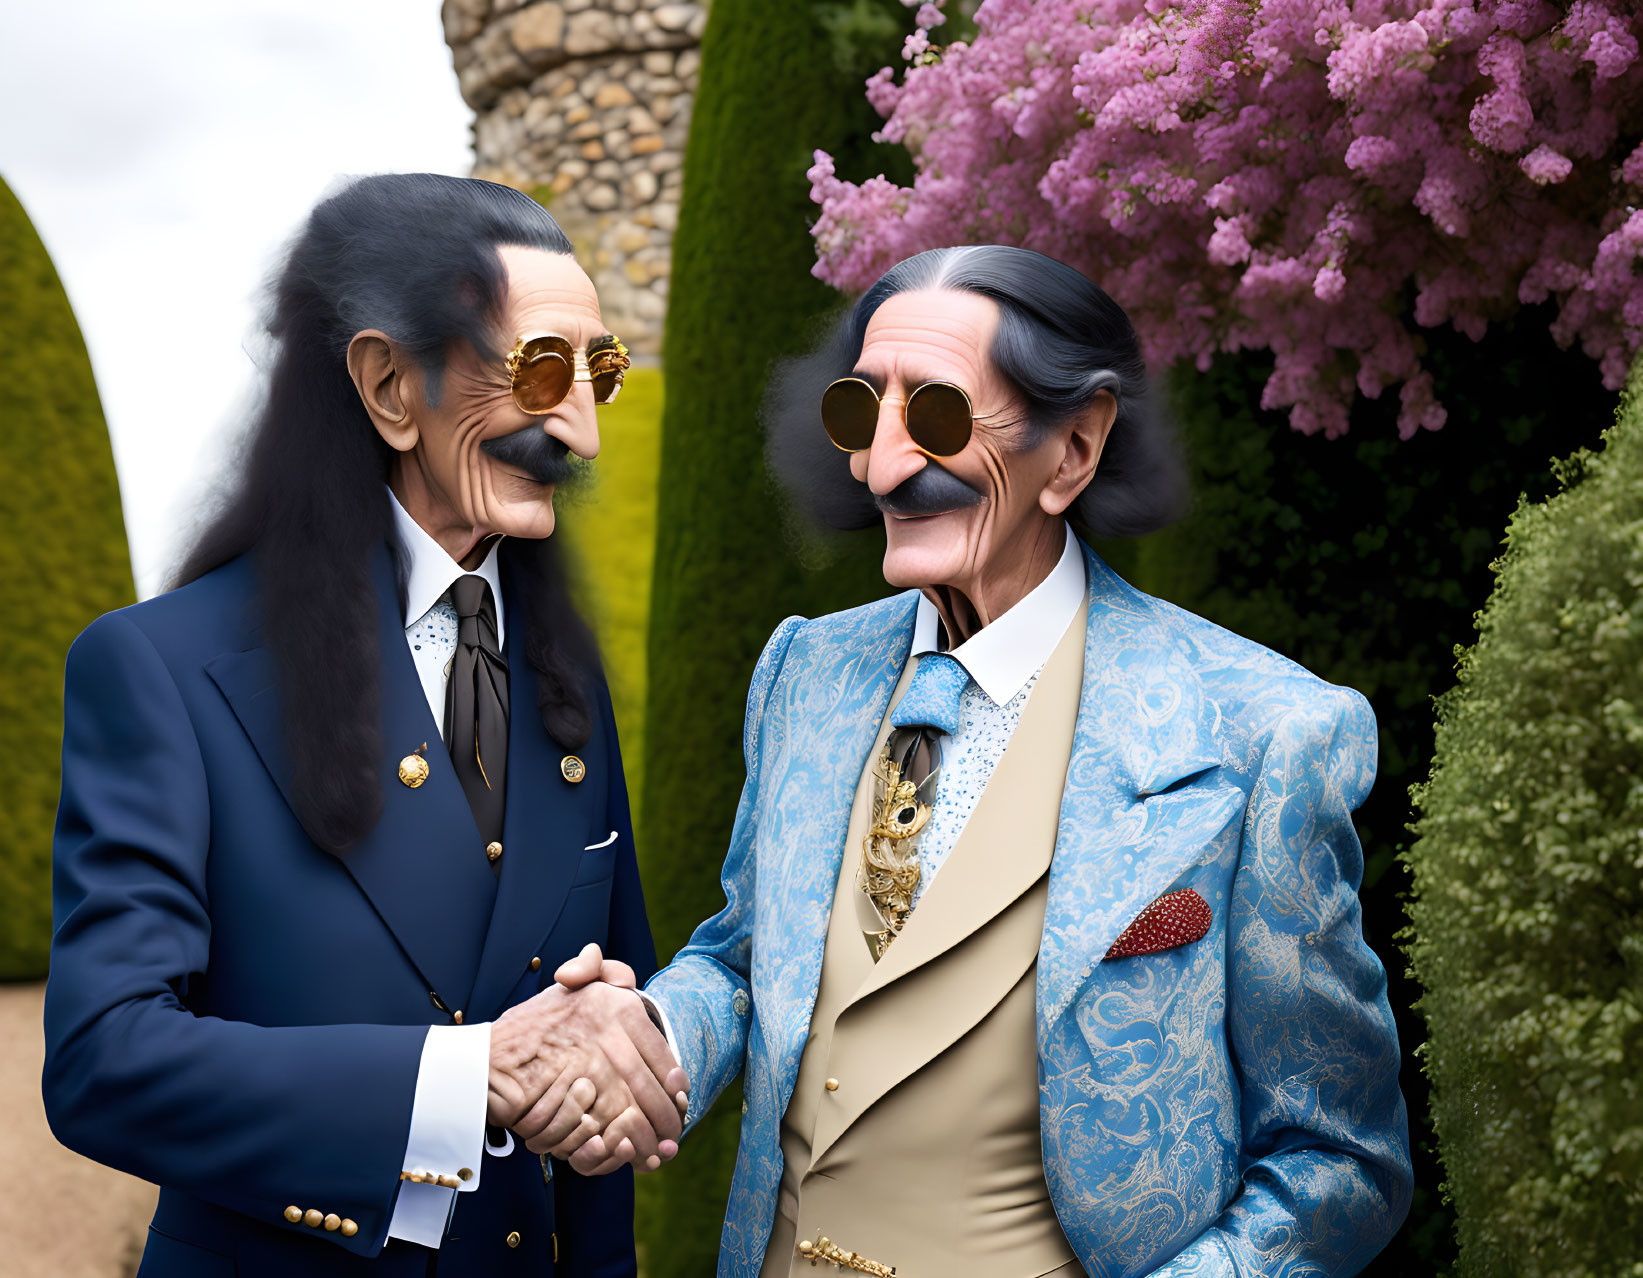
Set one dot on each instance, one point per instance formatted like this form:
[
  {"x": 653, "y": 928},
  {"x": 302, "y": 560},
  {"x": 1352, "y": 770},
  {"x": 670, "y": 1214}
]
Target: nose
[
  {"x": 575, "y": 423},
  {"x": 893, "y": 458}
]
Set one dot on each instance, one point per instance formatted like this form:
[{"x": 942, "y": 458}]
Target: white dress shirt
[
  {"x": 453, "y": 1081},
  {"x": 1004, "y": 660}
]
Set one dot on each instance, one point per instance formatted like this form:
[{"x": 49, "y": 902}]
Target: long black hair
[
  {"x": 1060, "y": 341},
  {"x": 415, "y": 255}
]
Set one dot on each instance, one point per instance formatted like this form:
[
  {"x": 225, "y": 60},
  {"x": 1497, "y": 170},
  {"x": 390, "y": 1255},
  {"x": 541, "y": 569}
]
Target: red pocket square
[{"x": 1178, "y": 918}]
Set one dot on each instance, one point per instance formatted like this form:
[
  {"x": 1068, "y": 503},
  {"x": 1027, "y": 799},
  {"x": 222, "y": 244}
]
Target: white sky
[{"x": 165, "y": 150}]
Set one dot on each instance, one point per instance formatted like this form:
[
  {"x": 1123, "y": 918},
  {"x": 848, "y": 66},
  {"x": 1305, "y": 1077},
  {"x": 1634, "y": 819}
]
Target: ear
[
  {"x": 1081, "y": 454},
  {"x": 373, "y": 366}
]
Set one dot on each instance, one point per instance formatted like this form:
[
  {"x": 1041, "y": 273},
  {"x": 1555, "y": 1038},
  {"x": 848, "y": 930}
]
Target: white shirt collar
[
  {"x": 1001, "y": 657},
  {"x": 432, "y": 571}
]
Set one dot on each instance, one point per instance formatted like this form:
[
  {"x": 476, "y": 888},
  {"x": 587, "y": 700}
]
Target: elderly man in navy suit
[{"x": 336, "y": 807}]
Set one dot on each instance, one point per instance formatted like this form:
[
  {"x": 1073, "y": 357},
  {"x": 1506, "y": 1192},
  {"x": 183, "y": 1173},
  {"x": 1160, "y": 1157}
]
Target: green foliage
[
  {"x": 63, "y": 562},
  {"x": 1527, "y": 917},
  {"x": 741, "y": 296},
  {"x": 1363, "y": 558},
  {"x": 611, "y": 530}
]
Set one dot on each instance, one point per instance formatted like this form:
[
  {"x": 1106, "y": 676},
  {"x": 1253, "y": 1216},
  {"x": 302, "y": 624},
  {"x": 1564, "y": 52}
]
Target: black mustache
[
  {"x": 545, "y": 459},
  {"x": 934, "y": 490}
]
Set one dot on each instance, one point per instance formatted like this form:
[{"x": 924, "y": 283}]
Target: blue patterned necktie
[{"x": 932, "y": 698}]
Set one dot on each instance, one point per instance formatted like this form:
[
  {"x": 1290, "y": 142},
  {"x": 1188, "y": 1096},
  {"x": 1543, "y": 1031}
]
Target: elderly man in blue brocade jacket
[{"x": 1041, "y": 950}]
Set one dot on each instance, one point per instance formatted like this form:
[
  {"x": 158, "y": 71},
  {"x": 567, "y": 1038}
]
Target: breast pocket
[{"x": 598, "y": 861}]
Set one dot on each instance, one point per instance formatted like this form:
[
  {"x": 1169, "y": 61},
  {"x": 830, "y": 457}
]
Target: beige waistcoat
[{"x": 926, "y": 1156}]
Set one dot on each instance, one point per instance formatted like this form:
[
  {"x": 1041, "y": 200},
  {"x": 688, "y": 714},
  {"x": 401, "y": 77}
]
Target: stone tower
[{"x": 585, "y": 104}]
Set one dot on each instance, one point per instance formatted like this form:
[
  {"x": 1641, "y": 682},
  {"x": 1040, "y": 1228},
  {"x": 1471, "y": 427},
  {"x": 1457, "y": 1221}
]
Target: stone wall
[{"x": 586, "y": 104}]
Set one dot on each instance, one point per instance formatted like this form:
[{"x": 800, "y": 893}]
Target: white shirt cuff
[
  {"x": 447, "y": 1130},
  {"x": 658, "y": 1016}
]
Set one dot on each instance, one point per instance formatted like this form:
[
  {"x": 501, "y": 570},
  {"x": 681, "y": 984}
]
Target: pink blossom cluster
[{"x": 1321, "y": 178}]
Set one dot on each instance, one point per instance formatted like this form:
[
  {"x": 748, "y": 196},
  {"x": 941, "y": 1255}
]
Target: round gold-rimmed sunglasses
[
  {"x": 939, "y": 416},
  {"x": 543, "y": 367}
]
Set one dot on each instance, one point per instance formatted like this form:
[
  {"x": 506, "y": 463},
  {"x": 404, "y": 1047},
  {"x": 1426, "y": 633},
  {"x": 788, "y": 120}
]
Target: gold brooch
[
  {"x": 824, "y": 1249},
  {"x": 413, "y": 768},
  {"x": 572, "y": 768},
  {"x": 889, "y": 854}
]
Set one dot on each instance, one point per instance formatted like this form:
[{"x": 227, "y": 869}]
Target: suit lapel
[
  {"x": 422, "y": 865},
  {"x": 1145, "y": 797},
  {"x": 541, "y": 834},
  {"x": 835, "y": 689}
]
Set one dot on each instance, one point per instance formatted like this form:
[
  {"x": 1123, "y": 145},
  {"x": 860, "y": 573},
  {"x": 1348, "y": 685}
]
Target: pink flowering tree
[{"x": 1320, "y": 178}]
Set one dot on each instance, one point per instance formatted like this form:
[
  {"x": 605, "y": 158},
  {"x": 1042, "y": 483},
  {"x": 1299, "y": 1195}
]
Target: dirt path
[{"x": 61, "y": 1216}]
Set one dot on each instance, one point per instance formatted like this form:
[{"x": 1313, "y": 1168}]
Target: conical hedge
[
  {"x": 63, "y": 561},
  {"x": 1527, "y": 917},
  {"x": 777, "y": 82}
]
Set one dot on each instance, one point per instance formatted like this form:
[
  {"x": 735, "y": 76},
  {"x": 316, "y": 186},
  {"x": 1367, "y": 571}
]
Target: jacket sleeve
[
  {"x": 1326, "y": 1170},
  {"x": 251, "y": 1117},
  {"x": 705, "y": 990}
]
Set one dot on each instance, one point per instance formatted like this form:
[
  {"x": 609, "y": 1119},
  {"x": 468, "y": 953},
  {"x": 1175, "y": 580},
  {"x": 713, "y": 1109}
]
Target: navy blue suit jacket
[{"x": 237, "y": 1015}]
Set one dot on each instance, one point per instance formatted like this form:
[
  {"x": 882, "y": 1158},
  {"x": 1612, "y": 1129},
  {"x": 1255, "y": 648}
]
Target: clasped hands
[{"x": 580, "y": 1072}]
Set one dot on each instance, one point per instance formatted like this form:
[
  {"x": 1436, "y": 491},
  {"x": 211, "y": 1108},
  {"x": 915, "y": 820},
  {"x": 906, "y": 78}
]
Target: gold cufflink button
[
  {"x": 465, "y": 1173},
  {"x": 832, "y": 1084},
  {"x": 536, "y": 965},
  {"x": 293, "y": 1214},
  {"x": 513, "y": 1239},
  {"x": 457, "y": 1016},
  {"x": 349, "y": 1228},
  {"x": 313, "y": 1218},
  {"x": 493, "y": 851},
  {"x": 332, "y": 1223},
  {"x": 573, "y": 768}
]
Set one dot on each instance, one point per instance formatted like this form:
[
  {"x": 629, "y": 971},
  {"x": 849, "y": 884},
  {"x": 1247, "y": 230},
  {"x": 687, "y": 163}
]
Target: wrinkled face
[
  {"x": 945, "y": 519},
  {"x": 490, "y": 464}
]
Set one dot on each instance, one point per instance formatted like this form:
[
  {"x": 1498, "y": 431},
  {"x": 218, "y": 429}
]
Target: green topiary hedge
[
  {"x": 1364, "y": 559},
  {"x": 1527, "y": 916},
  {"x": 63, "y": 561},
  {"x": 777, "y": 81}
]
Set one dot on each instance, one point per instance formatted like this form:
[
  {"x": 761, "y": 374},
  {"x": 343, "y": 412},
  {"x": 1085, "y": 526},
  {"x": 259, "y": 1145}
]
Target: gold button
[
  {"x": 457, "y": 1016},
  {"x": 465, "y": 1173},
  {"x": 349, "y": 1228},
  {"x": 536, "y": 965},
  {"x": 450, "y": 1182},
  {"x": 333, "y": 1222},
  {"x": 293, "y": 1214},
  {"x": 313, "y": 1217},
  {"x": 832, "y": 1084},
  {"x": 513, "y": 1239},
  {"x": 573, "y": 768},
  {"x": 493, "y": 851},
  {"x": 413, "y": 770}
]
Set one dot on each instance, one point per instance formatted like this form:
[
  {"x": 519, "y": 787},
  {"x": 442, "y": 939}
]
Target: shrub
[
  {"x": 63, "y": 562},
  {"x": 1527, "y": 916}
]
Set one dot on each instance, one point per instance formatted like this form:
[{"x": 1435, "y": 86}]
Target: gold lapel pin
[
  {"x": 413, "y": 768},
  {"x": 573, "y": 768}
]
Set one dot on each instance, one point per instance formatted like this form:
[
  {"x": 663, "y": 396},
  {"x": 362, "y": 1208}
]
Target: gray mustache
[
  {"x": 931, "y": 491},
  {"x": 545, "y": 459}
]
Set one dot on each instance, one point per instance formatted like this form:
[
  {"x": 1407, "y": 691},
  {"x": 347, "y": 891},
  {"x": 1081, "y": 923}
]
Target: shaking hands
[{"x": 580, "y": 1072}]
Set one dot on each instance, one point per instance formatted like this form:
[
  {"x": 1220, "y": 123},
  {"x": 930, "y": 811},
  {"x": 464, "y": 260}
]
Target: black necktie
[{"x": 476, "y": 705}]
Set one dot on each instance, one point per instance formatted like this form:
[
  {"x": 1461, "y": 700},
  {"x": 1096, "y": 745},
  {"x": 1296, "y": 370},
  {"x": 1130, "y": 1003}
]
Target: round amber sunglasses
[
  {"x": 939, "y": 416},
  {"x": 543, "y": 368}
]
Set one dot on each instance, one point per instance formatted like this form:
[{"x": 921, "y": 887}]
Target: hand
[
  {"x": 596, "y": 1049},
  {"x": 588, "y": 1151}
]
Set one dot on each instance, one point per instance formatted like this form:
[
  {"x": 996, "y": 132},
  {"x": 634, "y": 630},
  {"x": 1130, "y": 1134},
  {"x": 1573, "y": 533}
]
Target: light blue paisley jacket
[{"x": 1230, "y": 1107}]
